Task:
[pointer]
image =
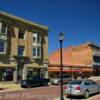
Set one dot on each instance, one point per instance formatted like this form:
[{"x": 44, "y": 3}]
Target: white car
[
  {"x": 56, "y": 81},
  {"x": 81, "y": 87}
]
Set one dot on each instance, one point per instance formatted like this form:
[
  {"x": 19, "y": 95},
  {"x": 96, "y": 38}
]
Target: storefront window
[{"x": 7, "y": 74}]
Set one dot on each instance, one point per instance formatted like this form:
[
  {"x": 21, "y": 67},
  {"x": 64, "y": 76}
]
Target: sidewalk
[{"x": 7, "y": 86}]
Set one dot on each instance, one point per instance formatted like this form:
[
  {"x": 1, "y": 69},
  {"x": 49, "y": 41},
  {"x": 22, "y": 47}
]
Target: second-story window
[
  {"x": 2, "y": 46},
  {"x": 21, "y": 34},
  {"x": 21, "y": 50},
  {"x": 36, "y": 52}
]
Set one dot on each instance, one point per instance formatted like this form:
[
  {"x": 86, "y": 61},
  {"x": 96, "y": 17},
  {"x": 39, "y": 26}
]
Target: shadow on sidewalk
[{"x": 80, "y": 97}]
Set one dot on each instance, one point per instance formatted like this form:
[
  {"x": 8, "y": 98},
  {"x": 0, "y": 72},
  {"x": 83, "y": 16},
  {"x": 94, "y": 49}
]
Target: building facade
[
  {"x": 23, "y": 48},
  {"x": 77, "y": 60}
]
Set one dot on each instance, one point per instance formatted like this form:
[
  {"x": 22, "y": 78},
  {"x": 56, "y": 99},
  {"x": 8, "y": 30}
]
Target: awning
[
  {"x": 58, "y": 70},
  {"x": 55, "y": 69}
]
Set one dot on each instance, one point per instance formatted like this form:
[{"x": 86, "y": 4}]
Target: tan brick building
[
  {"x": 23, "y": 48},
  {"x": 77, "y": 60}
]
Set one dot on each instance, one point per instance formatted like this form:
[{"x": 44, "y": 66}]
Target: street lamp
[{"x": 61, "y": 87}]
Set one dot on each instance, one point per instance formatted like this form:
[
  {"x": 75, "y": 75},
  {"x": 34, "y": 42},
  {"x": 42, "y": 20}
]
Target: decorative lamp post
[{"x": 61, "y": 87}]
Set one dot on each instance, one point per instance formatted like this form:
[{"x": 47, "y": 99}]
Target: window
[
  {"x": 2, "y": 46},
  {"x": 87, "y": 83},
  {"x": 36, "y": 37},
  {"x": 20, "y": 50},
  {"x": 39, "y": 38},
  {"x": 36, "y": 45},
  {"x": 21, "y": 34},
  {"x": 3, "y": 28},
  {"x": 93, "y": 83},
  {"x": 36, "y": 52},
  {"x": 76, "y": 82}
]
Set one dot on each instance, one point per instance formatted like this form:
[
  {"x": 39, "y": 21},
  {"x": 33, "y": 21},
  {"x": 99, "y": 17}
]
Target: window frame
[
  {"x": 21, "y": 32},
  {"x": 5, "y": 44},
  {"x": 39, "y": 48},
  {"x": 35, "y": 52},
  {"x": 37, "y": 36},
  {"x": 1, "y": 28},
  {"x": 36, "y": 55},
  {"x": 23, "y": 50}
]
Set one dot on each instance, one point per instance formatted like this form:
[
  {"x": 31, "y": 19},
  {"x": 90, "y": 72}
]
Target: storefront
[
  {"x": 35, "y": 73},
  {"x": 6, "y": 74},
  {"x": 72, "y": 71}
]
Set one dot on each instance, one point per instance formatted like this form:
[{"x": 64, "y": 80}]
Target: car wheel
[{"x": 86, "y": 94}]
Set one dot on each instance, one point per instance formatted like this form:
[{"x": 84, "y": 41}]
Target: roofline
[
  {"x": 93, "y": 44},
  {"x": 23, "y": 20}
]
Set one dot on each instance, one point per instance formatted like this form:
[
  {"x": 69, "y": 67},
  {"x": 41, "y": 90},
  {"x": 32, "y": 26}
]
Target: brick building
[
  {"x": 77, "y": 60},
  {"x": 23, "y": 48}
]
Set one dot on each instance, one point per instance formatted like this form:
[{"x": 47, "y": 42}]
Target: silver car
[{"x": 83, "y": 87}]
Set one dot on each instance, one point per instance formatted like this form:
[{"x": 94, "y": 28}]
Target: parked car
[
  {"x": 56, "y": 81},
  {"x": 28, "y": 83},
  {"x": 81, "y": 87}
]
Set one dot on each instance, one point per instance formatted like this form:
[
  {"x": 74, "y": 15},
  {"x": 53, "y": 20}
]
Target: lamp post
[{"x": 61, "y": 87}]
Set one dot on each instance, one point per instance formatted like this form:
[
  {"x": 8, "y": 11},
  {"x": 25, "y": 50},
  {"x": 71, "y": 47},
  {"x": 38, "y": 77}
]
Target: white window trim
[
  {"x": 6, "y": 30},
  {"x": 35, "y": 34},
  {"x": 4, "y": 48},
  {"x": 36, "y": 52},
  {"x": 32, "y": 52},
  {"x": 39, "y": 37}
]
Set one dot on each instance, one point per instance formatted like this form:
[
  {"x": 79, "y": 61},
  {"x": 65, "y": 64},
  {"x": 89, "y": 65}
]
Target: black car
[{"x": 34, "y": 82}]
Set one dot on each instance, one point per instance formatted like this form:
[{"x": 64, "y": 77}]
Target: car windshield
[{"x": 76, "y": 82}]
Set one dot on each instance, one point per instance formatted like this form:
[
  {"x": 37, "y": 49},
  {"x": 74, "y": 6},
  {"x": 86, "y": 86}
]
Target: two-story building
[{"x": 23, "y": 48}]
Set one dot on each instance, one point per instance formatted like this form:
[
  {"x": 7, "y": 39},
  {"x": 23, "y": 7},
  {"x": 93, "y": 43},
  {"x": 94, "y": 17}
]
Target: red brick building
[{"x": 83, "y": 59}]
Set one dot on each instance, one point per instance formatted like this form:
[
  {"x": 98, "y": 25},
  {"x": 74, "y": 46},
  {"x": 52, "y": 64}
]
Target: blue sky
[{"x": 79, "y": 20}]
